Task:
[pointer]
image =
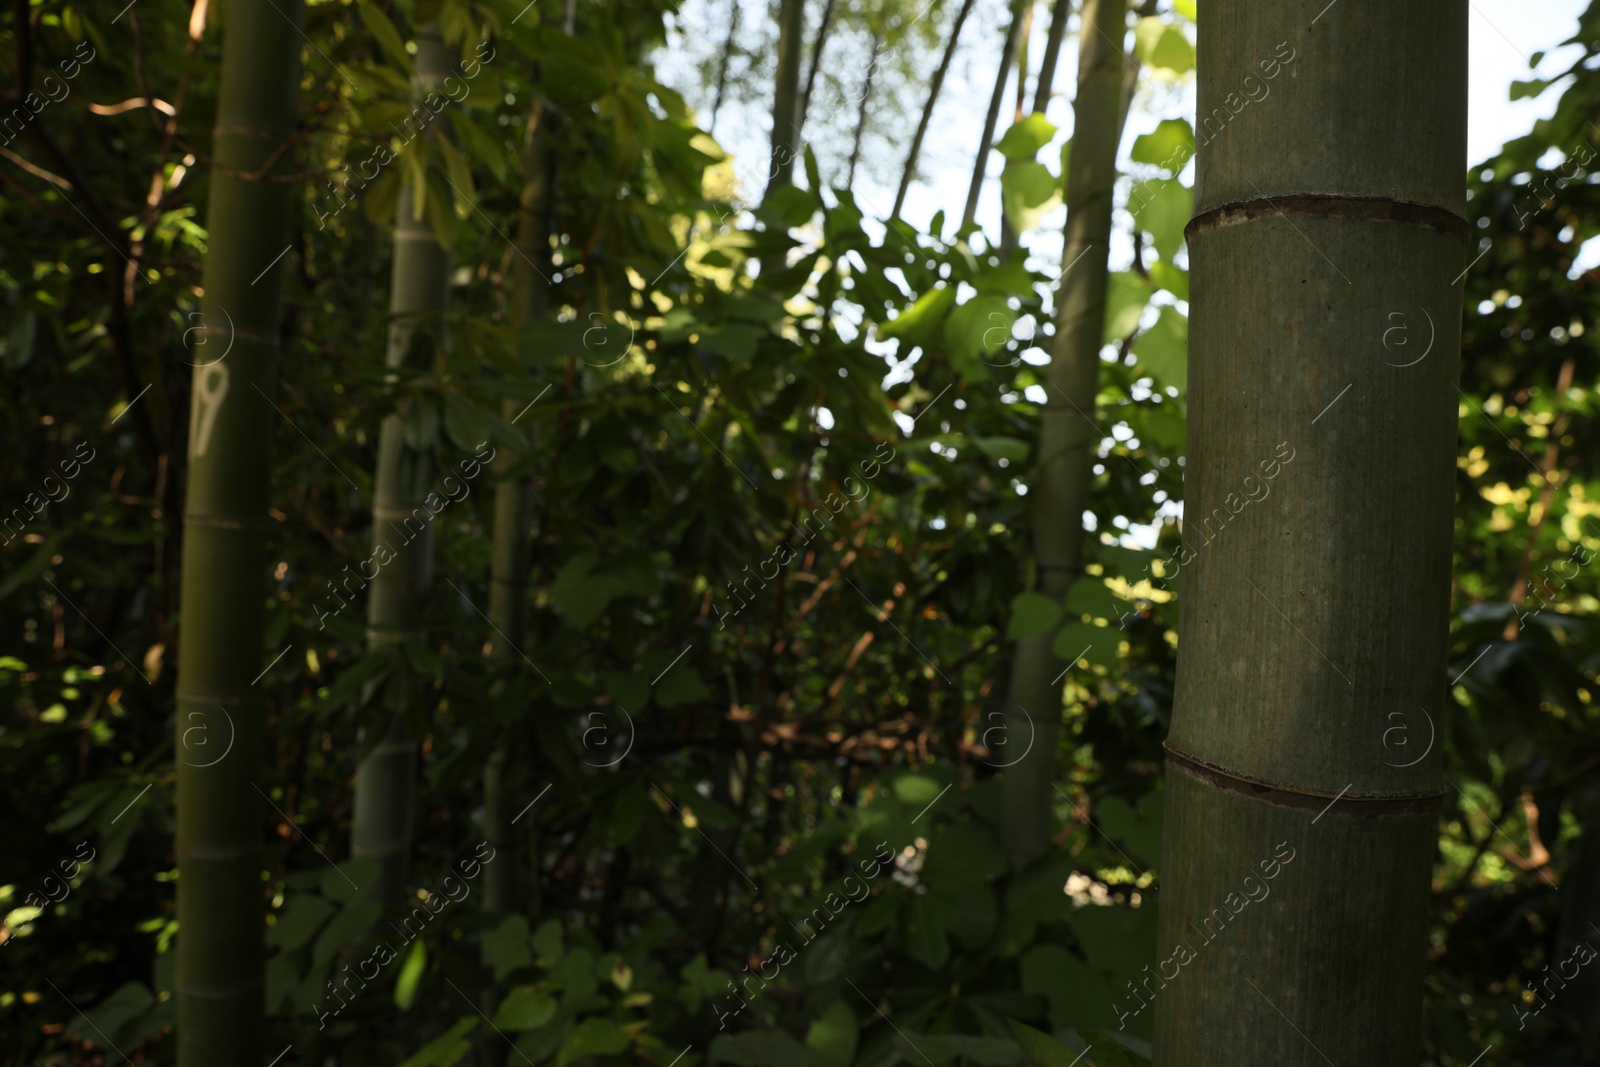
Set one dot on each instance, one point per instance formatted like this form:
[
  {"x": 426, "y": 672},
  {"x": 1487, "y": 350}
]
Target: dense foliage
[{"x": 779, "y": 448}]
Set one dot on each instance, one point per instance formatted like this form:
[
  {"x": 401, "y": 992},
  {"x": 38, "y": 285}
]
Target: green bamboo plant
[
  {"x": 1320, "y": 619},
  {"x": 1059, "y": 487},
  {"x": 220, "y": 955},
  {"x": 419, "y": 293}
]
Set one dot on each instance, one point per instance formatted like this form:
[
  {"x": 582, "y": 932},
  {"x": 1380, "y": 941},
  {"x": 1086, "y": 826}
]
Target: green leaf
[
  {"x": 387, "y": 36},
  {"x": 976, "y": 330},
  {"x": 925, "y": 938},
  {"x": 833, "y": 1035},
  {"x": 791, "y": 205},
  {"x": 340, "y": 884},
  {"x": 1108, "y": 1052},
  {"x": 1025, "y": 137},
  {"x": 1162, "y": 209},
  {"x": 1099, "y": 645},
  {"x": 1175, "y": 280},
  {"x": 299, "y": 921},
  {"x": 916, "y": 323},
  {"x": 405, "y": 986},
  {"x": 1027, "y": 191},
  {"x": 758, "y": 1048},
  {"x": 1042, "y": 1049},
  {"x": 1528, "y": 90},
  {"x": 961, "y": 1049},
  {"x": 1186, "y": 8},
  {"x": 1009, "y": 448},
  {"x": 546, "y": 942},
  {"x": 1169, "y": 145},
  {"x": 917, "y": 790},
  {"x": 1163, "y": 46},
  {"x": 19, "y": 341},
  {"x": 1126, "y": 296},
  {"x": 345, "y": 929},
  {"x": 1032, "y": 613},
  {"x": 735, "y": 342},
  {"x": 1163, "y": 350},
  {"x": 1078, "y": 995},
  {"x": 682, "y": 685},
  {"x": 448, "y": 1048},
  {"x": 524, "y": 1009},
  {"x": 592, "y": 1037},
  {"x": 506, "y": 946}
]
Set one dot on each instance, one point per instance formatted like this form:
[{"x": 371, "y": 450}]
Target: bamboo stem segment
[
  {"x": 221, "y": 911},
  {"x": 1330, "y": 190}
]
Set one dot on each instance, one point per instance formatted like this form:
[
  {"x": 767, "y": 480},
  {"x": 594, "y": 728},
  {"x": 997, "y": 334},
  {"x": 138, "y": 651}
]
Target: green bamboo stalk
[
  {"x": 786, "y": 93},
  {"x": 909, "y": 171},
  {"x": 1059, "y": 488},
  {"x": 419, "y": 292},
  {"x": 221, "y": 915},
  {"x": 508, "y": 582},
  {"x": 1321, "y": 211},
  {"x": 980, "y": 166}
]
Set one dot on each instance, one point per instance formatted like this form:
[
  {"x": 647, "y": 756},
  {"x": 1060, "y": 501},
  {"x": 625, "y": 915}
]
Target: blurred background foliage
[{"x": 718, "y": 737}]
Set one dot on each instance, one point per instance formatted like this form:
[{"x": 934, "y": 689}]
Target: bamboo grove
[{"x": 589, "y": 533}]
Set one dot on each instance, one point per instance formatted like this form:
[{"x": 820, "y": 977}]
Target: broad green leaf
[
  {"x": 1163, "y": 46},
  {"x": 592, "y": 1037},
  {"x": 524, "y": 1009},
  {"x": 916, "y": 323},
  {"x": 735, "y": 342},
  {"x": 1169, "y": 145},
  {"x": 447, "y": 1049},
  {"x": 977, "y": 330},
  {"x": 1098, "y": 645},
  {"x": 1126, "y": 296},
  {"x": 1008, "y": 448},
  {"x": 299, "y": 921},
  {"x": 1175, "y": 280},
  {"x": 758, "y": 1048},
  {"x": 345, "y": 929},
  {"x": 924, "y": 934},
  {"x": 1042, "y": 1049},
  {"x": 1032, "y": 613},
  {"x": 387, "y": 36},
  {"x": 1162, "y": 209},
  {"x": 1163, "y": 350},
  {"x": 506, "y": 946},
  {"x": 1027, "y": 191},
  {"x": 917, "y": 789},
  {"x": 960, "y": 1049},
  {"x": 1025, "y": 137},
  {"x": 833, "y": 1035},
  {"x": 682, "y": 685}
]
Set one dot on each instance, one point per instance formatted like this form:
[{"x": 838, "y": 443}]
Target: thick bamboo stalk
[
  {"x": 508, "y": 581},
  {"x": 419, "y": 290},
  {"x": 220, "y": 962},
  {"x": 1330, "y": 190},
  {"x": 934, "y": 86},
  {"x": 1059, "y": 488},
  {"x": 786, "y": 93},
  {"x": 980, "y": 166}
]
